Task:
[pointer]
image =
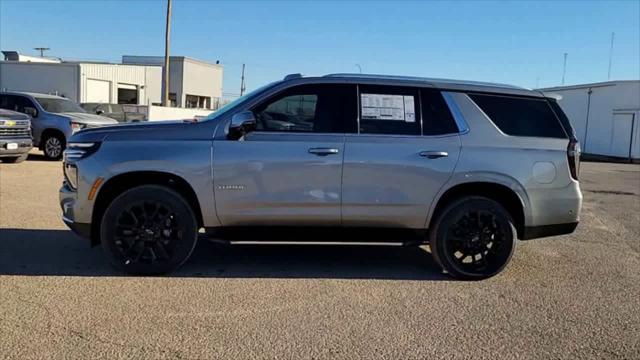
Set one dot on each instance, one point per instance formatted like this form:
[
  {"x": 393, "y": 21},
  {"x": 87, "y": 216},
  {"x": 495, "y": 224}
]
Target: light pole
[
  {"x": 165, "y": 80},
  {"x": 359, "y": 68}
]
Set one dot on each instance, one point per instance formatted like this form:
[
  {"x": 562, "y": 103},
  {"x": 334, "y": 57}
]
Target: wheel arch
[
  {"x": 48, "y": 132},
  {"x": 503, "y": 194},
  {"x": 120, "y": 183}
]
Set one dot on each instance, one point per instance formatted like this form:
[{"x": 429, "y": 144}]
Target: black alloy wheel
[
  {"x": 473, "y": 238},
  {"x": 149, "y": 230}
]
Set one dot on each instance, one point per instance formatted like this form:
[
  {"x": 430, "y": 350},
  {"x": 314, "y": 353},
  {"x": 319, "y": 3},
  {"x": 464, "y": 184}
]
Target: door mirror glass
[
  {"x": 31, "y": 111},
  {"x": 99, "y": 112},
  {"x": 241, "y": 124}
]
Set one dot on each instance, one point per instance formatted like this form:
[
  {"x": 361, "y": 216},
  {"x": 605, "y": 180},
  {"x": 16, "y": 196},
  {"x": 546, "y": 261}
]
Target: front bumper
[
  {"x": 68, "y": 203},
  {"x": 24, "y": 145}
]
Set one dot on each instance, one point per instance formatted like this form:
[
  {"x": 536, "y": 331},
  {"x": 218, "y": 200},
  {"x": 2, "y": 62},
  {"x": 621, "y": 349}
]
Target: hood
[
  {"x": 89, "y": 119},
  {"x": 148, "y": 130}
]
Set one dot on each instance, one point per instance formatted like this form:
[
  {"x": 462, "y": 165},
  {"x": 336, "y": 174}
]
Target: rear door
[
  {"x": 406, "y": 149},
  {"x": 288, "y": 171}
]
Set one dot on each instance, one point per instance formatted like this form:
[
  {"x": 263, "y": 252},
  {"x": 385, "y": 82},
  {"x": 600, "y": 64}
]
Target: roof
[
  {"x": 432, "y": 81},
  {"x": 589, "y": 85},
  {"x": 48, "y": 96},
  {"x": 445, "y": 84}
]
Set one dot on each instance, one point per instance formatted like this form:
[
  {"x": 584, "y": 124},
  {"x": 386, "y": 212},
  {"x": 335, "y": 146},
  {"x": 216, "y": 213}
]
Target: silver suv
[
  {"x": 54, "y": 119},
  {"x": 465, "y": 167}
]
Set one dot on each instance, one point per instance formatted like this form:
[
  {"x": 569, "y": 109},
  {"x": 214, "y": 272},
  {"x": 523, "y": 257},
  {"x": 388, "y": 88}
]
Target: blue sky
[{"x": 519, "y": 42}]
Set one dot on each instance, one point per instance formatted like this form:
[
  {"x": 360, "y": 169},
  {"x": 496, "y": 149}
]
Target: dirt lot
[{"x": 576, "y": 296}]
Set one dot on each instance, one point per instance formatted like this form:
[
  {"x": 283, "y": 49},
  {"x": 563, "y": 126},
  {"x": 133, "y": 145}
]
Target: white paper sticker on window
[{"x": 388, "y": 107}]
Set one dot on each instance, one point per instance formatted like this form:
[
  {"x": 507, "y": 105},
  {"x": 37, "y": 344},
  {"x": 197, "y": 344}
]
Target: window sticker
[{"x": 388, "y": 107}]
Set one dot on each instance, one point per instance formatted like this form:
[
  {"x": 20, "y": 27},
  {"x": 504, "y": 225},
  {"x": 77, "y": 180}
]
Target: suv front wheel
[
  {"x": 53, "y": 146},
  {"x": 473, "y": 238},
  {"x": 148, "y": 230}
]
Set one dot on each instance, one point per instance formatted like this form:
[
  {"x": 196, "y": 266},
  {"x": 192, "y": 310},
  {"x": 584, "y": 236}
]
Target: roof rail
[{"x": 293, "y": 76}]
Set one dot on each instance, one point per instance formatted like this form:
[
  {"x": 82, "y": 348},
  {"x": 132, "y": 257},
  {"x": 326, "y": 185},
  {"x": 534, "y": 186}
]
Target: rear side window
[
  {"x": 389, "y": 110},
  {"x": 520, "y": 116},
  {"x": 564, "y": 120},
  {"x": 321, "y": 108},
  {"x": 15, "y": 103},
  {"x": 436, "y": 117}
]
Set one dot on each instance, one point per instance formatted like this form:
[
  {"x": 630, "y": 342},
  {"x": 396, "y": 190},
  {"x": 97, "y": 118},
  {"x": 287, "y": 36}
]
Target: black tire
[
  {"x": 53, "y": 145},
  {"x": 14, "y": 159},
  {"x": 148, "y": 230},
  {"x": 473, "y": 238}
]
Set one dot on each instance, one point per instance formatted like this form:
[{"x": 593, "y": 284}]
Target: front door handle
[
  {"x": 323, "y": 151},
  {"x": 434, "y": 154}
]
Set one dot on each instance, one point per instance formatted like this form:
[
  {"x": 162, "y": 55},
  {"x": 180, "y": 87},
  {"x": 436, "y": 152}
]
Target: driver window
[
  {"x": 290, "y": 113},
  {"x": 319, "y": 108}
]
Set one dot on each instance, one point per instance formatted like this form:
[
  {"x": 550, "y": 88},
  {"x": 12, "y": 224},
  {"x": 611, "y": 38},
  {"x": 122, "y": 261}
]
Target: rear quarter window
[{"x": 520, "y": 116}]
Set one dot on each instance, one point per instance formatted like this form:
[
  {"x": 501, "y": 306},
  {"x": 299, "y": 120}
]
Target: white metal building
[
  {"x": 192, "y": 83},
  {"x": 606, "y": 116},
  {"x": 85, "y": 81}
]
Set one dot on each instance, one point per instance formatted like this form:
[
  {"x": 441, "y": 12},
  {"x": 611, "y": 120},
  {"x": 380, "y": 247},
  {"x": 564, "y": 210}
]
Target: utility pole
[
  {"x": 42, "y": 50},
  {"x": 564, "y": 67},
  {"x": 610, "y": 56},
  {"x": 242, "y": 82},
  {"x": 165, "y": 78}
]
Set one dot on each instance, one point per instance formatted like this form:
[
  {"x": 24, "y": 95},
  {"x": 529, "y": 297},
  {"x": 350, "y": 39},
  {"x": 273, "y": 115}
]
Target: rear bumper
[
  {"x": 535, "y": 232},
  {"x": 24, "y": 145}
]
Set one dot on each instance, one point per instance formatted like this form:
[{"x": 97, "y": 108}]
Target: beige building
[{"x": 192, "y": 83}]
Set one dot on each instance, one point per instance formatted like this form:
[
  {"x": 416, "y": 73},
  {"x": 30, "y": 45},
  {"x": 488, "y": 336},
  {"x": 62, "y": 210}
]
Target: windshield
[
  {"x": 58, "y": 106},
  {"x": 221, "y": 111}
]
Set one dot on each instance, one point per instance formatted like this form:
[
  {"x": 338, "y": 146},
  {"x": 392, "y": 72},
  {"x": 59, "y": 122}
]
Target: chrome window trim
[{"x": 463, "y": 127}]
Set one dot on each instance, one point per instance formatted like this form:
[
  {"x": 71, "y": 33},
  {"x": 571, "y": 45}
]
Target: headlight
[
  {"x": 75, "y": 127},
  {"x": 74, "y": 152},
  {"x": 79, "y": 150},
  {"x": 71, "y": 175}
]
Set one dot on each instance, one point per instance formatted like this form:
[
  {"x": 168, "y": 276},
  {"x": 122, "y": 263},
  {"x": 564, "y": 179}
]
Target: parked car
[
  {"x": 113, "y": 111},
  {"x": 15, "y": 136},
  {"x": 54, "y": 119},
  {"x": 465, "y": 167}
]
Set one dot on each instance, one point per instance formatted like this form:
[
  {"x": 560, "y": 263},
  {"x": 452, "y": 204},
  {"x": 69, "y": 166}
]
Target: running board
[{"x": 347, "y": 243}]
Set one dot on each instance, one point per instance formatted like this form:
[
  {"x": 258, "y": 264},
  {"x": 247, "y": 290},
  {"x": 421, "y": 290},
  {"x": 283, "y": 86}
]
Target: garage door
[{"x": 98, "y": 91}]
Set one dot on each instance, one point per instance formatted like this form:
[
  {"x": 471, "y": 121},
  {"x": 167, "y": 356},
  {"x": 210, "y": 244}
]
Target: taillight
[{"x": 573, "y": 155}]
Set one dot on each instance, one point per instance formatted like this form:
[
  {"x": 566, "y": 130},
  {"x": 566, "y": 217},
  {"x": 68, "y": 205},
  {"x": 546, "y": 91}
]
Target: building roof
[{"x": 589, "y": 85}]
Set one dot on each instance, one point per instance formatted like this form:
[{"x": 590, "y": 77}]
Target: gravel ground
[{"x": 575, "y": 296}]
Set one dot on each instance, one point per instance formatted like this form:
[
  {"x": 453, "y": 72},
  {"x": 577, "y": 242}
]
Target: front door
[
  {"x": 406, "y": 150},
  {"x": 288, "y": 171}
]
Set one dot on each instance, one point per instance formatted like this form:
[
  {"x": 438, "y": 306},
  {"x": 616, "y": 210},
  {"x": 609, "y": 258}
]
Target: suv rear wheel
[
  {"x": 53, "y": 146},
  {"x": 149, "y": 230},
  {"x": 473, "y": 238}
]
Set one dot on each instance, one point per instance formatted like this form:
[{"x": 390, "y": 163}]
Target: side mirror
[
  {"x": 31, "y": 111},
  {"x": 99, "y": 112},
  {"x": 241, "y": 124}
]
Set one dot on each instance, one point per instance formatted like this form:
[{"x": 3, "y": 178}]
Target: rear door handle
[
  {"x": 323, "y": 151},
  {"x": 434, "y": 154}
]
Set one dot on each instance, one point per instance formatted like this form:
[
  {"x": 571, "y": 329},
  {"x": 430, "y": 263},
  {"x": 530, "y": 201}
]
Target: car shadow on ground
[
  {"x": 36, "y": 157},
  {"x": 62, "y": 253}
]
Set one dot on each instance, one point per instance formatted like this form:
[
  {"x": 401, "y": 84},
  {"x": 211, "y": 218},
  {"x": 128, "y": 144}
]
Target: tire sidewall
[
  {"x": 438, "y": 235},
  {"x": 188, "y": 226}
]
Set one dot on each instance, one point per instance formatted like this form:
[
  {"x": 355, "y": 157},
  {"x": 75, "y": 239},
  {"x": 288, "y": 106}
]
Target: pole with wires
[{"x": 165, "y": 78}]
